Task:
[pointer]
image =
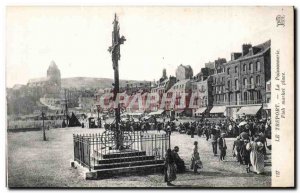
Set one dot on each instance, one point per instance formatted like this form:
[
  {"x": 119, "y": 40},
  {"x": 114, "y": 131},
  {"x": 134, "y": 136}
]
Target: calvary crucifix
[{"x": 115, "y": 55}]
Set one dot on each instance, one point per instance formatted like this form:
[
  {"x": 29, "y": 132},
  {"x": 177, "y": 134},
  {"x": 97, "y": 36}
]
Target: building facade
[
  {"x": 184, "y": 72},
  {"x": 242, "y": 82},
  {"x": 203, "y": 98},
  {"x": 160, "y": 88},
  {"x": 174, "y": 101}
]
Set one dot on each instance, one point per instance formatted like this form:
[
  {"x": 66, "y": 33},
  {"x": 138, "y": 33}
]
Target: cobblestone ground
[{"x": 35, "y": 163}]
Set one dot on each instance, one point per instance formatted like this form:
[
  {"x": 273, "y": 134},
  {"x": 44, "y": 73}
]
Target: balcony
[
  {"x": 228, "y": 89},
  {"x": 250, "y": 86},
  {"x": 248, "y": 102},
  {"x": 219, "y": 83},
  {"x": 251, "y": 102},
  {"x": 235, "y": 88},
  {"x": 220, "y": 103},
  {"x": 217, "y": 92}
]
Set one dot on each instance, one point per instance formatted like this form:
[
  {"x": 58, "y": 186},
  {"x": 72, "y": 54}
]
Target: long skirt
[
  {"x": 257, "y": 161},
  {"x": 170, "y": 172}
]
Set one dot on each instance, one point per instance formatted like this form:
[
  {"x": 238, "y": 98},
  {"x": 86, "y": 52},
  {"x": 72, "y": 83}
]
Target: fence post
[
  {"x": 155, "y": 147},
  {"x": 74, "y": 143},
  {"x": 89, "y": 152},
  {"x": 79, "y": 148},
  {"x": 169, "y": 137}
]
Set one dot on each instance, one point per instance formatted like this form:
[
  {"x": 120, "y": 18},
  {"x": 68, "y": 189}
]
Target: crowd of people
[
  {"x": 249, "y": 147},
  {"x": 202, "y": 127}
]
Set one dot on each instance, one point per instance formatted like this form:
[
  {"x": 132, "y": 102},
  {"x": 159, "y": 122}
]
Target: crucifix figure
[{"x": 115, "y": 55}]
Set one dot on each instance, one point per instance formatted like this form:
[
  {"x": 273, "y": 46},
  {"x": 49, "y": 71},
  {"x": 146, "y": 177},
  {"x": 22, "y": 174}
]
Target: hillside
[{"x": 85, "y": 82}]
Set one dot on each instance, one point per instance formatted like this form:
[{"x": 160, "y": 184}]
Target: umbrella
[
  {"x": 242, "y": 123},
  {"x": 244, "y": 135}
]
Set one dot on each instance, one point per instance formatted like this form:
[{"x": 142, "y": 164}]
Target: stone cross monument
[{"x": 115, "y": 54}]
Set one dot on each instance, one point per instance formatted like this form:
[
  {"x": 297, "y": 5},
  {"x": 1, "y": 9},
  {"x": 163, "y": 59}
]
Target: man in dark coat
[
  {"x": 215, "y": 135},
  {"x": 178, "y": 161},
  {"x": 222, "y": 147},
  {"x": 237, "y": 146}
]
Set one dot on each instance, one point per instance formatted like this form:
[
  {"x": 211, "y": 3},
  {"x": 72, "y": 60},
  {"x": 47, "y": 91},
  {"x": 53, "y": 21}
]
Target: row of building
[{"x": 239, "y": 87}]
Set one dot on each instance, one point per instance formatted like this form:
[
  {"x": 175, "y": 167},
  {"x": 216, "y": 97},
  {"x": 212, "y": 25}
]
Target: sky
[{"x": 77, "y": 39}]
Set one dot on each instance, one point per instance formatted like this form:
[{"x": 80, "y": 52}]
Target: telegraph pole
[
  {"x": 115, "y": 54},
  {"x": 66, "y": 108},
  {"x": 44, "y": 132}
]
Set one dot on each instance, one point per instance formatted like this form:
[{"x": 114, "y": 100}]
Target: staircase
[{"x": 125, "y": 162}]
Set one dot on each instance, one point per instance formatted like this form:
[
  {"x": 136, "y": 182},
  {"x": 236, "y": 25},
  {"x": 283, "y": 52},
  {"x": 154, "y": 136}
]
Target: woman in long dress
[
  {"x": 170, "y": 168},
  {"x": 256, "y": 156},
  {"x": 196, "y": 162}
]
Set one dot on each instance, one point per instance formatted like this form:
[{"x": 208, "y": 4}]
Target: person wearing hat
[
  {"x": 214, "y": 141},
  {"x": 178, "y": 161},
  {"x": 237, "y": 146},
  {"x": 245, "y": 154},
  {"x": 222, "y": 147},
  {"x": 169, "y": 168},
  {"x": 256, "y": 156}
]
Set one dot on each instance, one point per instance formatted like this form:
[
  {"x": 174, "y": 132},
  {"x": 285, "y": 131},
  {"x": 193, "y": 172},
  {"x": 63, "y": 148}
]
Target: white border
[{"x": 5, "y": 3}]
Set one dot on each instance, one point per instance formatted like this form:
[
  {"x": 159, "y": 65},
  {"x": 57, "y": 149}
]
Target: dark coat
[{"x": 221, "y": 143}]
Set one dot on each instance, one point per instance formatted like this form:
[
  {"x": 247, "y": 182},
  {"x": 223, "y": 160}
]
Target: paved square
[{"x": 37, "y": 163}]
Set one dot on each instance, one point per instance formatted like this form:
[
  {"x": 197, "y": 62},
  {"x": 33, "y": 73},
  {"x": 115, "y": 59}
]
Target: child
[{"x": 196, "y": 162}]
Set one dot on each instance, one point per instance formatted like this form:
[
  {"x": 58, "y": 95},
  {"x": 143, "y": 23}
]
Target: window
[
  {"x": 258, "y": 80},
  {"x": 228, "y": 83},
  {"x": 245, "y": 96},
  {"x": 251, "y": 81},
  {"x": 236, "y": 69},
  {"x": 245, "y": 81},
  {"x": 236, "y": 83},
  {"x": 244, "y": 67},
  {"x": 228, "y": 70},
  {"x": 258, "y": 95},
  {"x": 258, "y": 66},
  {"x": 251, "y": 67}
]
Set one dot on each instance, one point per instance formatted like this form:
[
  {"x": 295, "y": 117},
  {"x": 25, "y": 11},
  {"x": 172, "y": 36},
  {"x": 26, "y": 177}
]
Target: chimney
[
  {"x": 245, "y": 48},
  {"x": 235, "y": 55},
  {"x": 255, "y": 50}
]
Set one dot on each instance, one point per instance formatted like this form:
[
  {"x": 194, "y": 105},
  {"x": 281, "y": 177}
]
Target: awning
[
  {"x": 250, "y": 110},
  {"x": 218, "y": 109},
  {"x": 179, "y": 111},
  {"x": 159, "y": 112},
  {"x": 135, "y": 114},
  {"x": 200, "y": 110},
  {"x": 267, "y": 106}
]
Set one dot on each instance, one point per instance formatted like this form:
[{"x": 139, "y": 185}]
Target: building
[
  {"x": 160, "y": 88},
  {"x": 184, "y": 72},
  {"x": 173, "y": 104},
  {"x": 203, "y": 98},
  {"x": 133, "y": 87},
  {"x": 240, "y": 83},
  {"x": 216, "y": 65},
  {"x": 204, "y": 73},
  {"x": 267, "y": 103},
  {"x": 51, "y": 83}
]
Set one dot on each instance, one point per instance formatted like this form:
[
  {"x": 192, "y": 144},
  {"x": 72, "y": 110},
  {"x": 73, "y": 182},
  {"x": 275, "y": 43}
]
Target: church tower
[{"x": 53, "y": 75}]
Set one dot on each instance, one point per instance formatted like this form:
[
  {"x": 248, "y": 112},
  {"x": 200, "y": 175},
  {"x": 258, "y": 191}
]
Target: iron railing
[
  {"x": 244, "y": 102},
  {"x": 90, "y": 148}
]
